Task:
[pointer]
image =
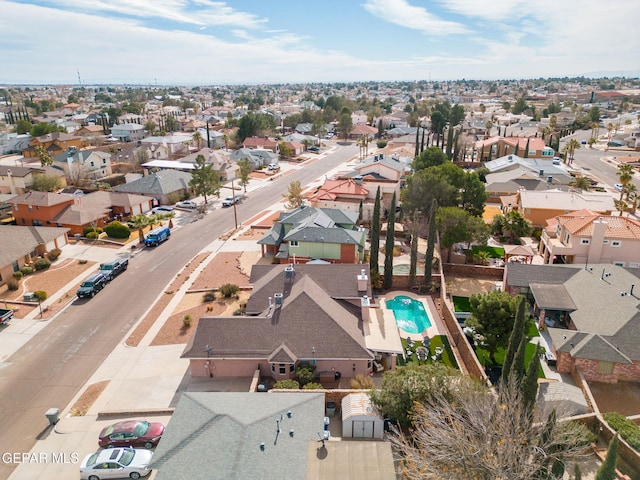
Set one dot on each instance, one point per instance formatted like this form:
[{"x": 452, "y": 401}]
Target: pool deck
[{"x": 437, "y": 326}]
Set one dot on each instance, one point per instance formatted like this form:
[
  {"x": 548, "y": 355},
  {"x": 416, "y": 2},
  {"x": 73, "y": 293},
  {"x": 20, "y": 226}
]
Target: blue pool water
[{"x": 410, "y": 314}]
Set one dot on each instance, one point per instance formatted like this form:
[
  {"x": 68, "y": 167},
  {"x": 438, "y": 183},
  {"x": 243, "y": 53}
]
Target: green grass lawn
[
  {"x": 483, "y": 357},
  {"x": 494, "y": 252},
  {"x": 447, "y": 355},
  {"x": 461, "y": 304}
]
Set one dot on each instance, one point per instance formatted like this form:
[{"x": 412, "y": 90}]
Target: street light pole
[{"x": 235, "y": 212}]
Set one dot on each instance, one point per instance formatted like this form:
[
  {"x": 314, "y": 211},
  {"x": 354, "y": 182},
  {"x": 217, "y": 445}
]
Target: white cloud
[{"x": 400, "y": 12}]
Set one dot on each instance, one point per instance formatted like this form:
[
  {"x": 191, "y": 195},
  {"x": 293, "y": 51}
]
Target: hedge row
[{"x": 627, "y": 429}]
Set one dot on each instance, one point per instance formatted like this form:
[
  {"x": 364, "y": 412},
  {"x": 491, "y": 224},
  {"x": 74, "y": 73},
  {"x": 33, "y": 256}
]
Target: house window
[
  {"x": 104, "y": 161},
  {"x": 293, "y": 243},
  {"x": 92, "y": 164},
  {"x": 619, "y": 264},
  {"x": 273, "y": 368},
  {"x": 605, "y": 368},
  {"x": 634, "y": 265},
  {"x": 616, "y": 243},
  {"x": 605, "y": 242},
  {"x": 558, "y": 229},
  {"x": 584, "y": 241},
  {"x": 292, "y": 368},
  {"x": 282, "y": 368},
  {"x": 566, "y": 238},
  {"x": 37, "y": 223},
  {"x": 30, "y": 208}
]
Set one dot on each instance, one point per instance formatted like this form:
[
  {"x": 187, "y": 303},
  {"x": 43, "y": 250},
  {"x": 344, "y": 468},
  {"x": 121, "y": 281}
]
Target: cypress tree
[
  {"x": 413, "y": 262},
  {"x": 389, "y": 244},
  {"x": 530, "y": 383},
  {"x": 417, "y": 149},
  {"x": 375, "y": 235},
  {"x": 517, "y": 366},
  {"x": 514, "y": 340},
  {"x": 422, "y": 144},
  {"x": 431, "y": 243},
  {"x": 607, "y": 470},
  {"x": 360, "y": 211},
  {"x": 526, "y": 151}
]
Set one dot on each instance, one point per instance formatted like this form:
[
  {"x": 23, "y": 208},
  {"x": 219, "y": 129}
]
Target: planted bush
[
  {"x": 305, "y": 375},
  {"x": 54, "y": 254},
  {"x": 627, "y": 429},
  {"x": 42, "y": 264},
  {"x": 287, "y": 384},
  {"x": 229, "y": 290},
  {"x": 92, "y": 235},
  {"x": 116, "y": 229},
  {"x": 87, "y": 230},
  {"x": 209, "y": 297},
  {"x": 13, "y": 284},
  {"x": 26, "y": 270},
  {"x": 187, "y": 320},
  {"x": 313, "y": 386},
  {"x": 17, "y": 275}
]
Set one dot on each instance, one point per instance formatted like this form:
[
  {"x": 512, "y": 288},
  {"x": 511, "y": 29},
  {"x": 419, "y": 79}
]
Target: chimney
[
  {"x": 365, "y": 303},
  {"x": 12, "y": 187},
  {"x": 363, "y": 281},
  {"x": 277, "y": 299}
]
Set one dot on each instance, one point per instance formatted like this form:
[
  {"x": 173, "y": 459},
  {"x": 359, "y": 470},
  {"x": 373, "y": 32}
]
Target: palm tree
[
  {"x": 197, "y": 137},
  {"x": 621, "y": 205},
  {"x": 572, "y": 146},
  {"x": 629, "y": 189},
  {"x": 583, "y": 183},
  {"x": 625, "y": 174},
  {"x": 45, "y": 158}
]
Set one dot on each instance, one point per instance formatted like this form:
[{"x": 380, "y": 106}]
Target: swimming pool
[{"x": 410, "y": 314}]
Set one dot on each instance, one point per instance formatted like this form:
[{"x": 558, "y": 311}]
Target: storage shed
[{"x": 360, "y": 418}]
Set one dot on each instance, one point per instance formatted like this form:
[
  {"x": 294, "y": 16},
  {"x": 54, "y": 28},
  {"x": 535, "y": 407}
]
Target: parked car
[
  {"x": 615, "y": 143},
  {"x": 116, "y": 463},
  {"x": 313, "y": 149},
  {"x": 618, "y": 187},
  {"x": 6, "y": 315},
  {"x": 187, "y": 204},
  {"x": 228, "y": 201},
  {"x": 273, "y": 166},
  {"x": 131, "y": 433},
  {"x": 162, "y": 209},
  {"x": 114, "y": 268},
  {"x": 92, "y": 285},
  {"x": 156, "y": 236}
]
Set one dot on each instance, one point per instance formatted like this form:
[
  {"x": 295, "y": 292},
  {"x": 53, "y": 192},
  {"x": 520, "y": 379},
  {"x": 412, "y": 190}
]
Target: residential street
[{"x": 53, "y": 366}]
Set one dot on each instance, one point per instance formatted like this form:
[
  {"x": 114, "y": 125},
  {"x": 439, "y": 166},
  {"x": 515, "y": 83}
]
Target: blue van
[{"x": 156, "y": 236}]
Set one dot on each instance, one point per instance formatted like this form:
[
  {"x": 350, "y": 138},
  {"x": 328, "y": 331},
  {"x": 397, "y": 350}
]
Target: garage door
[{"x": 362, "y": 429}]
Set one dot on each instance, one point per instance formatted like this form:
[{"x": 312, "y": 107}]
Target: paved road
[{"x": 54, "y": 365}]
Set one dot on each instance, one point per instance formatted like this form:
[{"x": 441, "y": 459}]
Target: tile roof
[{"x": 333, "y": 189}]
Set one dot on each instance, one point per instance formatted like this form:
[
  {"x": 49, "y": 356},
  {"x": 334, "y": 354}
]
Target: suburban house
[
  {"x": 361, "y": 129},
  {"x": 176, "y": 144},
  {"x": 591, "y": 313},
  {"x": 585, "y": 237},
  {"x": 219, "y": 160},
  {"x": 128, "y": 132},
  {"x": 380, "y": 171},
  {"x": 261, "y": 143},
  {"x": 343, "y": 194},
  {"x": 539, "y": 206},
  {"x": 266, "y": 436},
  {"x": 309, "y": 233},
  {"x": 83, "y": 164},
  {"x": 17, "y": 180},
  {"x": 54, "y": 143},
  {"x": 90, "y": 131},
  {"x": 22, "y": 245},
  {"x": 257, "y": 158},
  {"x": 166, "y": 187},
  {"x": 297, "y": 315},
  {"x": 495, "y": 147}
]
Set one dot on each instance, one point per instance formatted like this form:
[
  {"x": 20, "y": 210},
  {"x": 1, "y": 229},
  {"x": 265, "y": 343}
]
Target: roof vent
[
  {"x": 289, "y": 273},
  {"x": 277, "y": 299}
]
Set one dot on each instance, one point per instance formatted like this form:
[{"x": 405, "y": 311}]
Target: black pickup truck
[{"x": 114, "y": 268}]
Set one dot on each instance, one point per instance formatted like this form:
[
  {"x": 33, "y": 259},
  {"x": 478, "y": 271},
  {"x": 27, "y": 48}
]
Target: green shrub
[
  {"x": 313, "y": 386},
  {"x": 82, "y": 261},
  {"x": 40, "y": 294},
  {"x": 381, "y": 143},
  {"x": 93, "y": 235},
  {"x": 26, "y": 270},
  {"x": 228, "y": 290},
  {"x": 287, "y": 384},
  {"x": 54, "y": 254},
  {"x": 42, "y": 264},
  {"x": 13, "y": 284},
  {"x": 209, "y": 297},
  {"x": 627, "y": 429},
  {"x": 187, "y": 320},
  {"x": 17, "y": 275},
  {"x": 117, "y": 230},
  {"x": 87, "y": 230},
  {"x": 305, "y": 375}
]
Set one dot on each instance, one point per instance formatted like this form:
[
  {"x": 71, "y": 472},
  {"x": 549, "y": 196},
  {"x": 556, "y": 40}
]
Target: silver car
[{"x": 116, "y": 463}]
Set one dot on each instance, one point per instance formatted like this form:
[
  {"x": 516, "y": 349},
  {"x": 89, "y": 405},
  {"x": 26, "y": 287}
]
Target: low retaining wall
[{"x": 473, "y": 271}]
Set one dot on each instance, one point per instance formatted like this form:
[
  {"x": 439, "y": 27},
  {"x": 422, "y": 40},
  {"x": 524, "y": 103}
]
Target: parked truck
[
  {"x": 5, "y": 315},
  {"x": 156, "y": 236}
]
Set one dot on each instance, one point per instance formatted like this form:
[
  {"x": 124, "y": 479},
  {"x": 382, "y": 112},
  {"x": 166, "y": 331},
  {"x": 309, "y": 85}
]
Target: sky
[{"x": 204, "y": 42}]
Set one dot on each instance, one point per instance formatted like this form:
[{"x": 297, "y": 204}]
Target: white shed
[{"x": 360, "y": 418}]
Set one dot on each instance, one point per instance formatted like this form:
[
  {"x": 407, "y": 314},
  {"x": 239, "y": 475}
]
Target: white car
[
  {"x": 273, "y": 166},
  {"x": 116, "y": 463},
  {"x": 187, "y": 204},
  {"x": 228, "y": 201},
  {"x": 618, "y": 187}
]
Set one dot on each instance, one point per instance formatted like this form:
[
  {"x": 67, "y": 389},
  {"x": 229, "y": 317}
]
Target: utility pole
[{"x": 235, "y": 212}]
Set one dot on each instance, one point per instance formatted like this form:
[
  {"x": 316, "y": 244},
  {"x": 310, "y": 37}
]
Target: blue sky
[{"x": 283, "y": 41}]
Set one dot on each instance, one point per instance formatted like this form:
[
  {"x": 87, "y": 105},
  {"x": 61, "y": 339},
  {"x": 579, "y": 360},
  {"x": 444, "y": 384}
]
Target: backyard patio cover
[
  {"x": 552, "y": 297},
  {"x": 518, "y": 250}
]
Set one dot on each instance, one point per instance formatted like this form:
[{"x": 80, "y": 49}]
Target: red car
[{"x": 131, "y": 433}]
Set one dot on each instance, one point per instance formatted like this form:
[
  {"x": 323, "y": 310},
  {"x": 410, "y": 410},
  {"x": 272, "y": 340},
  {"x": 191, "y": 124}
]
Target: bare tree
[{"x": 480, "y": 435}]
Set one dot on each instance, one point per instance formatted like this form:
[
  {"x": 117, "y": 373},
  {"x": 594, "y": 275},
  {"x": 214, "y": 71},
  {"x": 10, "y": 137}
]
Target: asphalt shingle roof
[{"x": 160, "y": 183}]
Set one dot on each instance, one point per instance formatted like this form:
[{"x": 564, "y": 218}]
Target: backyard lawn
[
  {"x": 461, "y": 304},
  {"x": 483, "y": 357},
  {"x": 494, "y": 252},
  {"x": 447, "y": 357}
]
